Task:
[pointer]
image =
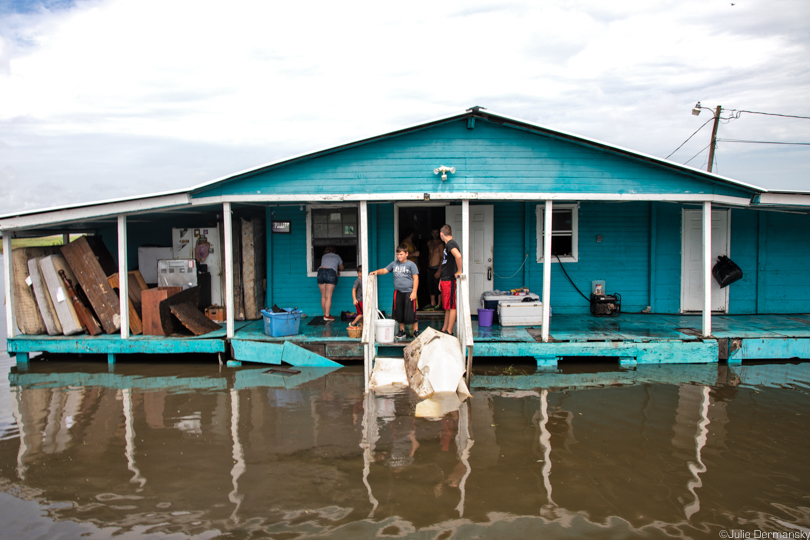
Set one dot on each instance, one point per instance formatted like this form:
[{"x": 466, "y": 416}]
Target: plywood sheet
[
  {"x": 26, "y": 310},
  {"x": 86, "y": 262},
  {"x": 253, "y": 266},
  {"x": 44, "y": 303},
  {"x": 49, "y": 267},
  {"x": 150, "y": 306}
]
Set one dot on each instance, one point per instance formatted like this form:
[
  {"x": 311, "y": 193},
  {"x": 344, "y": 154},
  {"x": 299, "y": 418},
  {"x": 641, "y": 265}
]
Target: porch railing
[
  {"x": 369, "y": 327},
  {"x": 464, "y": 331}
]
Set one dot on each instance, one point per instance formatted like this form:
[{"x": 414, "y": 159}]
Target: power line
[
  {"x": 690, "y": 136},
  {"x": 771, "y": 114},
  {"x": 696, "y": 155},
  {"x": 764, "y": 142}
]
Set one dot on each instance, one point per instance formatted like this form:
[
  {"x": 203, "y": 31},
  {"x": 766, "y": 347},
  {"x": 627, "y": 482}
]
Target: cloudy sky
[{"x": 110, "y": 98}]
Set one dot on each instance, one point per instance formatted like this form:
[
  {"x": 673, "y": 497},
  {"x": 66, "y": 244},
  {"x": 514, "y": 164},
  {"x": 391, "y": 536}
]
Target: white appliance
[
  {"x": 202, "y": 244},
  {"x": 177, "y": 273},
  {"x": 148, "y": 258}
]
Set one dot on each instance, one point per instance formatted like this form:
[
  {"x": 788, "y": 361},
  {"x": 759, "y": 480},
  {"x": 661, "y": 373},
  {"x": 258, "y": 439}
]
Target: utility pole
[{"x": 714, "y": 137}]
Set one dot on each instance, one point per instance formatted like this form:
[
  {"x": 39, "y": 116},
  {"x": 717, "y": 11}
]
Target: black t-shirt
[{"x": 449, "y": 261}]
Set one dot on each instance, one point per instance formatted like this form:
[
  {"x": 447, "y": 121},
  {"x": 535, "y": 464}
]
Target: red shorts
[
  {"x": 359, "y": 307},
  {"x": 448, "y": 290}
]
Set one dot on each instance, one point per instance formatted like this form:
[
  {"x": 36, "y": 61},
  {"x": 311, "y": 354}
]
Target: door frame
[
  {"x": 398, "y": 205},
  {"x": 684, "y": 252}
]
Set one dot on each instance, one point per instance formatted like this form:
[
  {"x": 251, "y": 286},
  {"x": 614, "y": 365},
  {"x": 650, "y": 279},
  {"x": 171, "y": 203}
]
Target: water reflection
[{"x": 653, "y": 451}]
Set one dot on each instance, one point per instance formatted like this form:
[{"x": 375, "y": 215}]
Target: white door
[
  {"x": 692, "y": 259},
  {"x": 482, "y": 240}
]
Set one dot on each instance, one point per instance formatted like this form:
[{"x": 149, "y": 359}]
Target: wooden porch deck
[{"x": 632, "y": 338}]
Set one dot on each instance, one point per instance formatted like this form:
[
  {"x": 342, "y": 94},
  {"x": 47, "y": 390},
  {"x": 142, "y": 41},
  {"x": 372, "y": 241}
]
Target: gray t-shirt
[
  {"x": 331, "y": 260},
  {"x": 403, "y": 275},
  {"x": 358, "y": 284}
]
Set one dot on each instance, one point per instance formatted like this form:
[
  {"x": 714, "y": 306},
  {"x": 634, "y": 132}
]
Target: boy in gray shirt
[{"x": 406, "y": 283}]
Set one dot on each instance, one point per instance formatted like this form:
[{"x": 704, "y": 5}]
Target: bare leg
[
  {"x": 451, "y": 320},
  {"x": 328, "y": 290},
  {"x": 322, "y": 287},
  {"x": 433, "y": 300}
]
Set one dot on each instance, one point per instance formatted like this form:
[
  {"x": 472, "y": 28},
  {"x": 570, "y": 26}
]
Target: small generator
[{"x": 606, "y": 305}]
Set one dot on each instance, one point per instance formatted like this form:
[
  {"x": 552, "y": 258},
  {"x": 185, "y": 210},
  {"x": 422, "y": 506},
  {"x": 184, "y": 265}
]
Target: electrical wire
[
  {"x": 764, "y": 142},
  {"x": 696, "y": 155},
  {"x": 771, "y": 114},
  {"x": 690, "y": 136},
  {"x": 516, "y": 273},
  {"x": 571, "y": 280}
]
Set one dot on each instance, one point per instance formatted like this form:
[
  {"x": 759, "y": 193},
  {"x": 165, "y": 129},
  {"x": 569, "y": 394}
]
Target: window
[
  {"x": 564, "y": 222},
  {"x": 333, "y": 226}
]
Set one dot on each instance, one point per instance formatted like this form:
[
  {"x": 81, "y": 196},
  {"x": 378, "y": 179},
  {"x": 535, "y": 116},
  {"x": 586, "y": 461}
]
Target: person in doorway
[
  {"x": 451, "y": 268},
  {"x": 331, "y": 264},
  {"x": 357, "y": 296},
  {"x": 413, "y": 253},
  {"x": 435, "y": 250},
  {"x": 406, "y": 282}
]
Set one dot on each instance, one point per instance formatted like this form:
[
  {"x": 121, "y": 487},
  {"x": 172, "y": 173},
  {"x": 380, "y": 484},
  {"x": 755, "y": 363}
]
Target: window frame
[
  {"x": 310, "y": 259},
  {"x": 540, "y": 211}
]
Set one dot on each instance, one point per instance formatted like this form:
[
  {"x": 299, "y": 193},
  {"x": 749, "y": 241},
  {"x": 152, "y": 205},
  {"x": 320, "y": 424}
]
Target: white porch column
[
  {"x": 8, "y": 276},
  {"x": 465, "y": 237},
  {"x": 228, "y": 232},
  {"x": 546, "y": 270},
  {"x": 123, "y": 276},
  {"x": 707, "y": 269},
  {"x": 364, "y": 242}
]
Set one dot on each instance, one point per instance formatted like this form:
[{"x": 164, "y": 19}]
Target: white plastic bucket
[{"x": 385, "y": 330}]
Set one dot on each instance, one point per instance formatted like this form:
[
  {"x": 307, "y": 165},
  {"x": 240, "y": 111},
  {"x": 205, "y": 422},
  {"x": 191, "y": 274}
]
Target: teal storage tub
[{"x": 282, "y": 324}]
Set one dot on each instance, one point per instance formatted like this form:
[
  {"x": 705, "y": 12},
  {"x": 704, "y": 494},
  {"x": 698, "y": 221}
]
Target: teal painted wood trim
[
  {"x": 22, "y": 357},
  {"x": 667, "y": 352},
  {"x": 268, "y": 294},
  {"x": 642, "y": 374},
  {"x": 774, "y": 348},
  {"x": 111, "y": 358},
  {"x": 762, "y": 220},
  {"x": 116, "y": 346},
  {"x": 261, "y": 352},
  {"x": 653, "y": 248},
  {"x": 298, "y": 356},
  {"x": 116, "y": 381},
  {"x": 528, "y": 229},
  {"x": 252, "y": 378}
]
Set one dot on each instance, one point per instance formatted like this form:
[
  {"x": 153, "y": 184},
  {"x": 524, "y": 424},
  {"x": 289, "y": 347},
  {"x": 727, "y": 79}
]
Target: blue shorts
[{"x": 327, "y": 275}]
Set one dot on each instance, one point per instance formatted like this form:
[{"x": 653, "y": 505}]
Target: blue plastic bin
[{"x": 282, "y": 324}]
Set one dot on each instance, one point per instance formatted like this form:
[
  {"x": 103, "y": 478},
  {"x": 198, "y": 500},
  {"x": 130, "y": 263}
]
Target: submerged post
[
  {"x": 8, "y": 276},
  {"x": 227, "y": 221},
  {"x": 546, "y": 270},
  {"x": 707, "y": 269},
  {"x": 123, "y": 278}
]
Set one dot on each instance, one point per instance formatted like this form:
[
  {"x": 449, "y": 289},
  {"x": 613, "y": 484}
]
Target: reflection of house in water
[{"x": 270, "y": 454}]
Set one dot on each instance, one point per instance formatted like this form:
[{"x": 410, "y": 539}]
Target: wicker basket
[{"x": 355, "y": 332}]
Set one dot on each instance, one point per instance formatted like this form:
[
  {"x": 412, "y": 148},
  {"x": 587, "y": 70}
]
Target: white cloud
[{"x": 249, "y": 80}]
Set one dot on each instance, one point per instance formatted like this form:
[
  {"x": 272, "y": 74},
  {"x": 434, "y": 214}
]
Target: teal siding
[
  {"x": 490, "y": 158},
  {"x": 743, "y": 251},
  {"x": 785, "y": 263},
  {"x": 666, "y": 297},
  {"x": 509, "y": 250}
]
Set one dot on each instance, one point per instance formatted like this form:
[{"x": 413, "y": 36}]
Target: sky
[{"x": 102, "y": 99}]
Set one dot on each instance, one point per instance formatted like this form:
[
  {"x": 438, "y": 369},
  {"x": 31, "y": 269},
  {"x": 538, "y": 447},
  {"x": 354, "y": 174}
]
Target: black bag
[{"x": 726, "y": 272}]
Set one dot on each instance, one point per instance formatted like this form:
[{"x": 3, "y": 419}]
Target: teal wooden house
[{"x": 531, "y": 207}]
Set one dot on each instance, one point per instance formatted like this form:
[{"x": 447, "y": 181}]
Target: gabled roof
[{"x": 480, "y": 112}]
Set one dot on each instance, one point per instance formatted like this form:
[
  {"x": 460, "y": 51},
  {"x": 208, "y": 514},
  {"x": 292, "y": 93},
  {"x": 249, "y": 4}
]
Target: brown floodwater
[{"x": 175, "y": 449}]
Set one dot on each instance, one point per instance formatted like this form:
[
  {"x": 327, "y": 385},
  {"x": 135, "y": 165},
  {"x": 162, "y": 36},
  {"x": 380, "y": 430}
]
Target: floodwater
[{"x": 172, "y": 449}]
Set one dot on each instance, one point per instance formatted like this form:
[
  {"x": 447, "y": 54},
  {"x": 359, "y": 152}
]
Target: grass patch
[{"x": 55, "y": 240}]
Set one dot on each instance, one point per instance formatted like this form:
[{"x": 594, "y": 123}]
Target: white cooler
[{"x": 516, "y": 312}]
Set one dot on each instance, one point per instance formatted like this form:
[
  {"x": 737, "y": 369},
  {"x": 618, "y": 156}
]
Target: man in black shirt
[{"x": 451, "y": 268}]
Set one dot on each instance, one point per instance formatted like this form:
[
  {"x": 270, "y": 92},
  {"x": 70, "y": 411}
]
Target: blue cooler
[{"x": 282, "y": 324}]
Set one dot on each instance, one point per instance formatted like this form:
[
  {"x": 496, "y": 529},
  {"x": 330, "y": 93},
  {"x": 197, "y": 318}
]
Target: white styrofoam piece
[
  {"x": 44, "y": 303},
  {"x": 49, "y": 267},
  {"x": 438, "y": 405},
  {"x": 442, "y": 363},
  {"x": 388, "y": 372}
]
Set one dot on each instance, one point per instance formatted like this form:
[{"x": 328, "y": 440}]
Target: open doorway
[{"x": 420, "y": 221}]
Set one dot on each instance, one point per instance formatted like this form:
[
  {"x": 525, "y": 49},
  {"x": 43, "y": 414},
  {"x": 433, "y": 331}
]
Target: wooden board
[
  {"x": 253, "y": 266},
  {"x": 46, "y": 309},
  {"x": 135, "y": 310},
  {"x": 49, "y": 267},
  {"x": 84, "y": 260},
  {"x": 169, "y": 323},
  {"x": 238, "y": 294},
  {"x": 192, "y": 318},
  {"x": 150, "y": 308},
  {"x": 26, "y": 309}
]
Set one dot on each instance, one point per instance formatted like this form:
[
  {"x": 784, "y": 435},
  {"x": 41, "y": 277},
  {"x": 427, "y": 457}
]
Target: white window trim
[
  {"x": 344, "y": 273},
  {"x": 539, "y": 211}
]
